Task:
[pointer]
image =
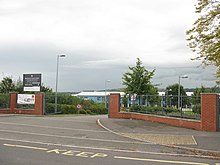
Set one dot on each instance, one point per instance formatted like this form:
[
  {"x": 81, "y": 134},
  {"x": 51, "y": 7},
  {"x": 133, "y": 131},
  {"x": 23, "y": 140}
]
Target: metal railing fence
[{"x": 166, "y": 105}]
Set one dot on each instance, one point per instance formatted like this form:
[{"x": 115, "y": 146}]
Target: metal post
[
  {"x": 58, "y": 56},
  {"x": 178, "y": 106},
  {"x": 56, "y": 84},
  {"x": 106, "y": 81},
  {"x": 185, "y": 76}
]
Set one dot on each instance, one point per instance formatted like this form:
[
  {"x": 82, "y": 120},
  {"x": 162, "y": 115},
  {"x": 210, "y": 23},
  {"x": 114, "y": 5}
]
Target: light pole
[
  {"x": 185, "y": 76},
  {"x": 106, "y": 81},
  {"x": 58, "y": 56}
]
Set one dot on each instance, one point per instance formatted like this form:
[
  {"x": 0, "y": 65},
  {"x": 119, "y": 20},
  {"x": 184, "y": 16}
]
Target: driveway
[{"x": 26, "y": 140}]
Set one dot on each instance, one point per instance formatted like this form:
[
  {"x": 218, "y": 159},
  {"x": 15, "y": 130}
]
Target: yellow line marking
[
  {"x": 28, "y": 147},
  {"x": 105, "y": 149},
  {"x": 160, "y": 161}
]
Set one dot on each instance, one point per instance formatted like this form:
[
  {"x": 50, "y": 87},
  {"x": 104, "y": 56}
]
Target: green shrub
[
  {"x": 136, "y": 108},
  {"x": 170, "y": 110},
  {"x": 82, "y": 111},
  {"x": 4, "y": 101},
  {"x": 49, "y": 108},
  {"x": 98, "y": 109},
  {"x": 89, "y": 112},
  {"x": 69, "y": 109},
  {"x": 197, "y": 108},
  {"x": 67, "y": 104}
]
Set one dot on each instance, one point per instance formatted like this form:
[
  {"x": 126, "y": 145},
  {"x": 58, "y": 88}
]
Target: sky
[{"x": 100, "y": 39}]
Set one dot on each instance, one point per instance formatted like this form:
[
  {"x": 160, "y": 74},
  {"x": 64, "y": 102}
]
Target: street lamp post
[
  {"x": 106, "y": 81},
  {"x": 185, "y": 76},
  {"x": 58, "y": 56}
]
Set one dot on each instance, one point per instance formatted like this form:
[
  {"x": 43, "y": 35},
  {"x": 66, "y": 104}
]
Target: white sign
[
  {"x": 32, "y": 89},
  {"x": 25, "y": 99}
]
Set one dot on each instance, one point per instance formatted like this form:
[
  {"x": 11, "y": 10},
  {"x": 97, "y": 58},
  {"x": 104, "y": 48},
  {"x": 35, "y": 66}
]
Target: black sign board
[{"x": 32, "y": 82}]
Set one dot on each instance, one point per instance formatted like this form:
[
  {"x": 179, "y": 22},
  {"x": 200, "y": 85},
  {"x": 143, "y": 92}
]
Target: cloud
[{"x": 100, "y": 40}]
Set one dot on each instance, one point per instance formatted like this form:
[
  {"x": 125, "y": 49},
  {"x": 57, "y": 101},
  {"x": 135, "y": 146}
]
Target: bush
[
  {"x": 69, "y": 109},
  {"x": 171, "y": 110},
  {"x": 152, "y": 110},
  {"x": 4, "y": 101},
  {"x": 197, "y": 108},
  {"x": 136, "y": 108},
  {"x": 82, "y": 111},
  {"x": 49, "y": 108},
  {"x": 68, "y": 105}
]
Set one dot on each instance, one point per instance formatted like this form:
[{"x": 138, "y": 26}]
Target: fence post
[{"x": 209, "y": 112}]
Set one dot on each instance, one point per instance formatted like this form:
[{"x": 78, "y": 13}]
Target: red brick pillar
[
  {"x": 114, "y": 105},
  {"x": 39, "y": 99},
  {"x": 209, "y": 109},
  {"x": 13, "y": 101}
]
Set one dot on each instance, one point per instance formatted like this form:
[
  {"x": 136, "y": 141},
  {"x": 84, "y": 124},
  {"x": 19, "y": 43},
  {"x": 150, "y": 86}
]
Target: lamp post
[
  {"x": 106, "y": 81},
  {"x": 185, "y": 76},
  {"x": 58, "y": 56}
]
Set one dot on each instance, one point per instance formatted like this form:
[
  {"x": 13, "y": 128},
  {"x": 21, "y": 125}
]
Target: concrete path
[{"x": 206, "y": 142}]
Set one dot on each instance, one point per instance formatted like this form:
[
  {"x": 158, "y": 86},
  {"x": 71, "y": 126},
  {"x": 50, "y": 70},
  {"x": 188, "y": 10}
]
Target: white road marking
[
  {"x": 79, "y": 138},
  {"x": 159, "y": 161},
  {"x": 105, "y": 149},
  {"x": 40, "y": 126},
  {"x": 101, "y": 125},
  {"x": 194, "y": 140}
]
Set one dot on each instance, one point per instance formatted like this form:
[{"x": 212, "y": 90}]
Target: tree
[
  {"x": 7, "y": 85},
  {"x": 172, "y": 93},
  {"x": 46, "y": 89},
  {"x": 137, "y": 80},
  {"x": 19, "y": 85},
  {"x": 204, "y": 36},
  {"x": 202, "y": 89}
]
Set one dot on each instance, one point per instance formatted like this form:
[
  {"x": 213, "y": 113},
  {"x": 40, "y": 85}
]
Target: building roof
[
  {"x": 100, "y": 94},
  {"x": 87, "y": 94}
]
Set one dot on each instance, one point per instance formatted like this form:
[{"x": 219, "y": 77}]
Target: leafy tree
[
  {"x": 19, "y": 85},
  {"x": 137, "y": 80},
  {"x": 46, "y": 89},
  {"x": 202, "y": 89},
  {"x": 204, "y": 36},
  {"x": 7, "y": 85}
]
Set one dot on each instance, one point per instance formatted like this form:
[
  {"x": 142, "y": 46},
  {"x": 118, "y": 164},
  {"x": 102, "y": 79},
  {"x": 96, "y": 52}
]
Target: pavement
[{"x": 207, "y": 143}]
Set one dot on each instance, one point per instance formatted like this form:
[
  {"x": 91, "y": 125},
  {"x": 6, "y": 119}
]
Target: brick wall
[
  {"x": 38, "y": 110},
  {"x": 208, "y": 121}
]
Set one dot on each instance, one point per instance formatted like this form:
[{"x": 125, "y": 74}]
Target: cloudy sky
[{"x": 100, "y": 38}]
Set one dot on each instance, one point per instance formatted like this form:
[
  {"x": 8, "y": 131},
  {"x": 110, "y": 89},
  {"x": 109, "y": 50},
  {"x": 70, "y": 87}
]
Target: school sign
[{"x": 32, "y": 82}]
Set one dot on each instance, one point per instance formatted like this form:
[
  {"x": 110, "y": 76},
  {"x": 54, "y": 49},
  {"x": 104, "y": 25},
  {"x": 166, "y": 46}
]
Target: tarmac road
[{"x": 28, "y": 140}]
